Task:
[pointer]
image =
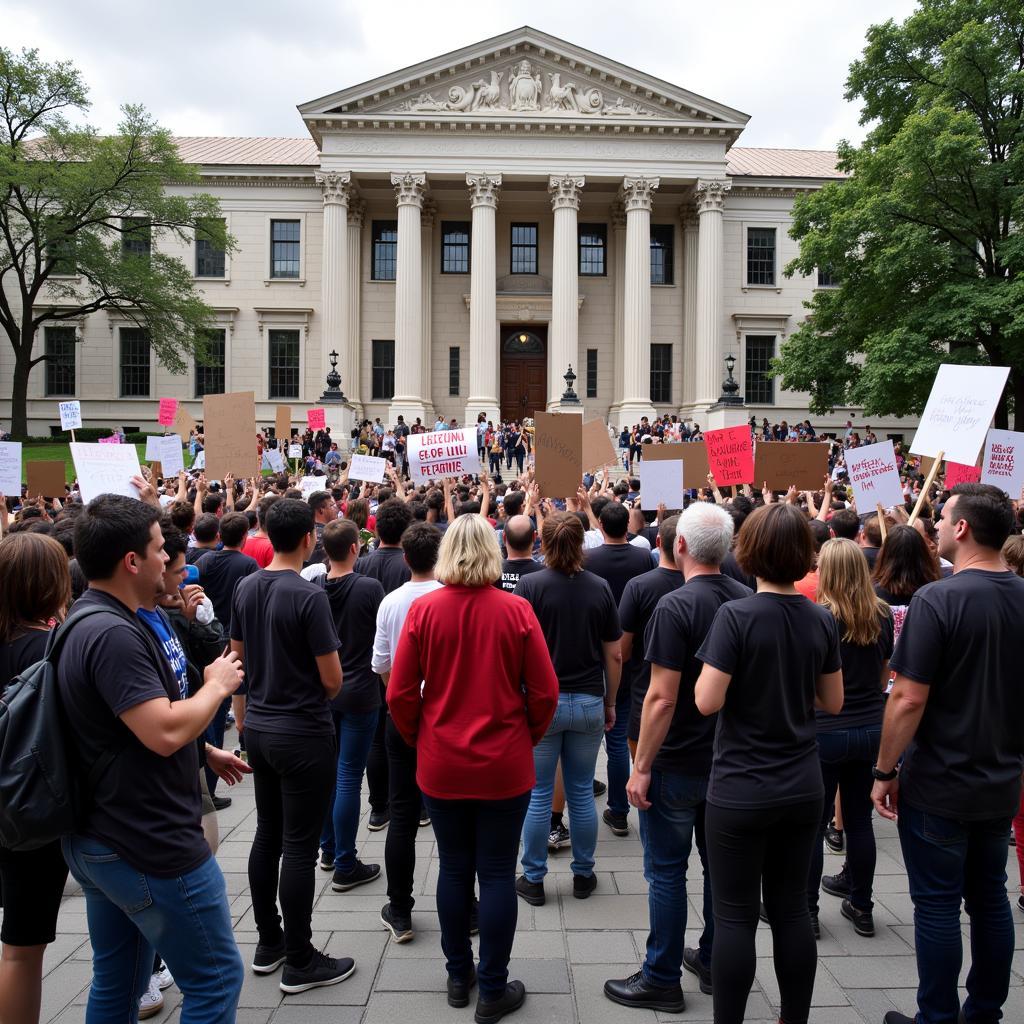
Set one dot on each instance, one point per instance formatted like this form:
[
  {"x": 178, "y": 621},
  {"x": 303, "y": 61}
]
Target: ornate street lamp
[
  {"x": 569, "y": 396},
  {"x": 730, "y": 389},
  {"x": 333, "y": 392}
]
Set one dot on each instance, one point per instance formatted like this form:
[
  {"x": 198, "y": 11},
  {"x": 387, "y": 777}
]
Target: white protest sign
[
  {"x": 661, "y": 483},
  {"x": 295, "y": 451},
  {"x": 311, "y": 484},
  {"x": 276, "y": 460},
  {"x": 1003, "y": 464},
  {"x": 367, "y": 467},
  {"x": 10, "y": 468},
  {"x": 442, "y": 453},
  {"x": 105, "y": 469},
  {"x": 958, "y": 412},
  {"x": 167, "y": 451},
  {"x": 70, "y": 415},
  {"x": 874, "y": 476},
  {"x": 199, "y": 462}
]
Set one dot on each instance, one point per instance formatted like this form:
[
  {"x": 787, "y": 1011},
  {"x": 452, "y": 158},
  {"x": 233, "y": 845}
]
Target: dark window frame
[
  {"x": 661, "y": 375},
  {"x": 284, "y": 379},
  {"x": 60, "y": 365},
  {"x": 591, "y": 373},
  {"x": 383, "y": 251},
  {"x": 826, "y": 278},
  {"x": 459, "y": 252},
  {"x": 61, "y": 248},
  {"x": 137, "y": 373},
  {"x": 454, "y": 370},
  {"x": 587, "y": 253},
  {"x": 285, "y": 253},
  {"x": 519, "y": 249},
  {"x": 136, "y": 237},
  {"x": 758, "y": 388},
  {"x": 663, "y": 251},
  {"x": 206, "y": 253},
  {"x": 382, "y": 369},
  {"x": 208, "y": 370},
  {"x": 761, "y": 269}
]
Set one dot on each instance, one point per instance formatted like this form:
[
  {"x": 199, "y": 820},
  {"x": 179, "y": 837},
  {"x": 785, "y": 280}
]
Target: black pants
[
  {"x": 478, "y": 838},
  {"x": 377, "y": 762},
  {"x": 754, "y": 851},
  {"x": 405, "y": 799},
  {"x": 293, "y": 779}
]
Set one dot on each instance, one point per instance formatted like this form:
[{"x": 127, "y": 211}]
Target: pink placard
[
  {"x": 730, "y": 455},
  {"x": 114, "y": 439},
  {"x": 316, "y": 419},
  {"x": 957, "y": 473},
  {"x": 168, "y": 412}
]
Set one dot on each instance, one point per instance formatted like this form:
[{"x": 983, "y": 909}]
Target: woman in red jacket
[{"x": 474, "y": 726}]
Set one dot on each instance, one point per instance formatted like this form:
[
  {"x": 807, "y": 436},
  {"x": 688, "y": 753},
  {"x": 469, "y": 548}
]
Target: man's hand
[
  {"x": 226, "y": 673},
  {"x": 792, "y": 494},
  {"x": 147, "y": 492},
  {"x": 202, "y": 486},
  {"x": 226, "y": 766},
  {"x": 885, "y": 797},
  {"x": 636, "y": 789},
  {"x": 191, "y": 597}
]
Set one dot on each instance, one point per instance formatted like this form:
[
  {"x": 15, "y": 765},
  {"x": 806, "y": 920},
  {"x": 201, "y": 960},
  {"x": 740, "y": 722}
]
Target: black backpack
[{"x": 42, "y": 795}]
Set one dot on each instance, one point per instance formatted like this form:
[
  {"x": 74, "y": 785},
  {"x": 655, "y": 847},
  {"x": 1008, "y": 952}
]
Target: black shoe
[
  {"x": 359, "y": 875},
  {"x": 691, "y": 963},
  {"x": 763, "y": 914},
  {"x": 558, "y": 838},
  {"x": 636, "y": 990},
  {"x": 220, "y": 803},
  {"x": 326, "y": 863},
  {"x": 836, "y": 885},
  {"x": 834, "y": 840},
  {"x": 599, "y": 788},
  {"x": 424, "y": 822},
  {"x": 474, "y": 918},
  {"x": 616, "y": 822},
  {"x": 400, "y": 925},
  {"x": 815, "y": 926},
  {"x": 323, "y": 970},
  {"x": 895, "y": 1017},
  {"x": 532, "y": 892},
  {"x": 495, "y": 1009},
  {"x": 863, "y": 922},
  {"x": 458, "y": 991},
  {"x": 583, "y": 885},
  {"x": 267, "y": 958},
  {"x": 378, "y": 821}
]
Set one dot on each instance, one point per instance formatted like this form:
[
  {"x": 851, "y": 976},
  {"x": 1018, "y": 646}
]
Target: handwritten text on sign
[
  {"x": 730, "y": 455},
  {"x": 442, "y": 453},
  {"x": 70, "y": 415},
  {"x": 167, "y": 412},
  {"x": 1003, "y": 465},
  {"x": 105, "y": 469},
  {"x": 874, "y": 476}
]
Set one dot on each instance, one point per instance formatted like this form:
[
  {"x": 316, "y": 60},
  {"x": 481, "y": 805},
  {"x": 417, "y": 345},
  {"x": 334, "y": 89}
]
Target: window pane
[
  {"x": 210, "y": 368},
  {"x": 455, "y": 247},
  {"x": 827, "y": 278},
  {"x": 454, "y": 365},
  {"x": 134, "y": 362},
  {"x": 136, "y": 236},
  {"x": 284, "y": 248},
  {"x": 661, "y": 373},
  {"x": 284, "y": 364},
  {"x": 524, "y": 249},
  {"x": 759, "y": 389},
  {"x": 385, "y": 250},
  {"x": 60, "y": 248},
  {"x": 760, "y": 255},
  {"x": 209, "y": 259},
  {"x": 60, "y": 360},
  {"x": 662, "y": 246},
  {"x": 591, "y": 373},
  {"x": 593, "y": 242},
  {"x": 383, "y": 370}
]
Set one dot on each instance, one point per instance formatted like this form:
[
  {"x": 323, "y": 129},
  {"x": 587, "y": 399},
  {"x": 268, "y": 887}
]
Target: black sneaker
[
  {"x": 636, "y": 990},
  {"x": 400, "y": 925},
  {"x": 326, "y": 863},
  {"x": 835, "y": 842},
  {"x": 378, "y": 821},
  {"x": 558, "y": 838},
  {"x": 359, "y": 875},
  {"x": 837, "y": 885},
  {"x": 424, "y": 822},
  {"x": 599, "y": 788},
  {"x": 863, "y": 922},
  {"x": 323, "y": 970},
  {"x": 616, "y": 822},
  {"x": 268, "y": 958},
  {"x": 458, "y": 991},
  {"x": 895, "y": 1017},
  {"x": 221, "y": 803},
  {"x": 532, "y": 892},
  {"x": 583, "y": 885},
  {"x": 474, "y": 918},
  {"x": 494, "y": 1009},
  {"x": 691, "y": 963}
]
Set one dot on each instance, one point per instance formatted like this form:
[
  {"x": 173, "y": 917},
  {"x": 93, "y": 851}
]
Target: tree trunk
[{"x": 19, "y": 397}]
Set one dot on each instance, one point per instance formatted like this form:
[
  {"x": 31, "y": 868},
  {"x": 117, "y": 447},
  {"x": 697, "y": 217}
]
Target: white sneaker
[
  {"x": 164, "y": 978},
  {"x": 152, "y": 1001}
]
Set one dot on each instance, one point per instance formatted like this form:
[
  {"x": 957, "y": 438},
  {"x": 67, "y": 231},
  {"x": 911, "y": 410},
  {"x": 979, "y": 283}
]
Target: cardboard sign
[
  {"x": 694, "y": 455},
  {"x": 661, "y": 483},
  {"x": 958, "y": 473},
  {"x": 229, "y": 423},
  {"x": 874, "y": 476},
  {"x": 168, "y": 412},
  {"x": 70, "y": 415},
  {"x": 167, "y": 451},
  {"x": 274, "y": 461},
  {"x": 10, "y": 468},
  {"x": 959, "y": 410},
  {"x": 105, "y": 469},
  {"x": 46, "y": 478},
  {"x": 730, "y": 455},
  {"x": 558, "y": 443},
  {"x": 367, "y": 467},
  {"x": 1003, "y": 465},
  {"x": 283, "y": 423},
  {"x": 443, "y": 453},
  {"x": 295, "y": 451},
  {"x": 184, "y": 423},
  {"x": 311, "y": 484},
  {"x": 782, "y": 463},
  {"x": 597, "y": 447},
  {"x": 316, "y": 419},
  {"x": 113, "y": 439}
]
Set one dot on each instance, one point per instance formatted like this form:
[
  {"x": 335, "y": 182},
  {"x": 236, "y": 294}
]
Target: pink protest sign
[
  {"x": 316, "y": 419},
  {"x": 730, "y": 455},
  {"x": 168, "y": 412},
  {"x": 873, "y": 475},
  {"x": 1003, "y": 466},
  {"x": 114, "y": 439},
  {"x": 957, "y": 473}
]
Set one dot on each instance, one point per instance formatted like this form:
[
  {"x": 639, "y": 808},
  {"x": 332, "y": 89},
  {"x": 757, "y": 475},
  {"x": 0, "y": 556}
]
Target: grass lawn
[{"x": 61, "y": 451}]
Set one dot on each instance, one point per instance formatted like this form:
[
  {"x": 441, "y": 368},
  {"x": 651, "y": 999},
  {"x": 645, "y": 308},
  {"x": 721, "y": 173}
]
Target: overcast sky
[{"x": 227, "y": 68}]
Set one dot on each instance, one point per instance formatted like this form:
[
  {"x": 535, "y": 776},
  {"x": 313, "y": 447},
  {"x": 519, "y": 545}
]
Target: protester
[
  {"x": 519, "y": 534},
  {"x": 904, "y": 565}
]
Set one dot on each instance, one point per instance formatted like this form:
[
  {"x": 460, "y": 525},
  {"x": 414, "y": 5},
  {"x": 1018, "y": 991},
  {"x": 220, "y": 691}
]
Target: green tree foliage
[
  {"x": 68, "y": 199},
  {"x": 924, "y": 236}
]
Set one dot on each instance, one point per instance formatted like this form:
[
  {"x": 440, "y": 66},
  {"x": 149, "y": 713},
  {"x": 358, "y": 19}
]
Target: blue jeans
[
  {"x": 355, "y": 734},
  {"x": 948, "y": 860},
  {"x": 574, "y": 736},
  {"x": 130, "y": 914},
  {"x": 667, "y": 831},
  {"x": 618, "y": 754}
]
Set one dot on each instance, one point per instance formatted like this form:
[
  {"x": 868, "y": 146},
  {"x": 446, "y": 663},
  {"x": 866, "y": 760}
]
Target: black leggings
[
  {"x": 749, "y": 852},
  {"x": 406, "y": 801},
  {"x": 377, "y": 762}
]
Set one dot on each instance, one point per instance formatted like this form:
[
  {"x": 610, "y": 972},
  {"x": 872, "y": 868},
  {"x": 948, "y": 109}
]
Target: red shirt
[
  {"x": 259, "y": 548},
  {"x": 489, "y": 692}
]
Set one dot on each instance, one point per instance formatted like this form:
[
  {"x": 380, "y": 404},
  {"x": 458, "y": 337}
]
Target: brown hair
[
  {"x": 338, "y": 538},
  {"x": 359, "y": 512},
  {"x": 1013, "y": 554},
  {"x": 905, "y": 563},
  {"x": 35, "y": 582},
  {"x": 667, "y": 534},
  {"x": 873, "y": 532},
  {"x": 775, "y": 544},
  {"x": 561, "y": 539}
]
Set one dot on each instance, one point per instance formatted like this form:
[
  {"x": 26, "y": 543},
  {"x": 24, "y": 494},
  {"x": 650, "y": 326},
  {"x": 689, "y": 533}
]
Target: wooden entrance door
[{"x": 524, "y": 370}]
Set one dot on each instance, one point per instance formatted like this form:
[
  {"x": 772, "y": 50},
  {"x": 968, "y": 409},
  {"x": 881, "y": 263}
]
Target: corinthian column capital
[
  {"x": 483, "y": 189},
  {"x": 565, "y": 190},
  {"x": 710, "y": 194},
  {"x": 638, "y": 192},
  {"x": 336, "y": 186},
  {"x": 356, "y": 211},
  {"x": 410, "y": 188}
]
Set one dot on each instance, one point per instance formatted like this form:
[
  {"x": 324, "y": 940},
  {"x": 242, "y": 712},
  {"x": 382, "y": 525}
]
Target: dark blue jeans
[
  {"x": 618, "y": 754},
  {"x": 667, "y": 830},
  {"x": 948, "y": 860}
]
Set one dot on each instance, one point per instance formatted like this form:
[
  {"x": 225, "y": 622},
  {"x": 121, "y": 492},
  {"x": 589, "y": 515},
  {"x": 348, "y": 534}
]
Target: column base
[
  {"x": 719, "y": 416},
  {"x": 341, "y": 418},
  {"x": 631, "y": 413},
  {"x": 488, "y": 406},
  {"x": 411, "y": 408}
]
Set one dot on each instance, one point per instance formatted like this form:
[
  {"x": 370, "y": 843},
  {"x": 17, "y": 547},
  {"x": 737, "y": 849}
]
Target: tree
[
  {"x": 77, "y": 213},
  {"x": 924, "y": 236}
]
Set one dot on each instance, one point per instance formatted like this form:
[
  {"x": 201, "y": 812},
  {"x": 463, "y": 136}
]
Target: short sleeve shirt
[
  {"x": 863, "y": 700},
  {"x": 513, "y": 569}
]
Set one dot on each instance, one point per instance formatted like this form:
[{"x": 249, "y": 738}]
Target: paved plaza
[{"x": 564, "y": 950}]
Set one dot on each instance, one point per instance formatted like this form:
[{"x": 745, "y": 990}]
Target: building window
[
  {"x": 134, "y": 362},
  {"x": 385, "y": 250},
  {"x": 60, "y": 361},
  {"x": 136, "y": 236},
  {"x": 284, "y": 364},
  {"x": 593, "y": 247},
  {"x": 661, "y": 374},
  {"x": 455, "y": 247},
  {"x": 454, "y": 365},
  {"x": 663, "y": 238},
  {"x": 759, "y": 388},
  {"x": 209, "y": 259},
  {"x": 285, "y": 239},
  {"x": 210, "y": 367},
  {"x": 827, "y": 278},
  {"x": 61, "y": 249},
  {"x": 383, "y": 370},
  {"x": 591, "y": 373},
  {"x": 760, "y": 256},
  {"x": 524, "y": 249}
]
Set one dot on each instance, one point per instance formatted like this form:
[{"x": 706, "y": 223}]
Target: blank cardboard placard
[
  {"x": 558, "y": 443},
  {"x": 694, "y": 455},
  {"x": 597, "y": 446},
  {"x": 184, "y": 423},
  {"x": 105, "y": 469},
  {"x": 283, "y": 423},
  {"x": 782, "y": 463},
  {"x": 229, "y": 429},
  {"x": 1003, "y": 465},
  {"x": 661, "y": 483},
  {"x": 46, "y": 478}
]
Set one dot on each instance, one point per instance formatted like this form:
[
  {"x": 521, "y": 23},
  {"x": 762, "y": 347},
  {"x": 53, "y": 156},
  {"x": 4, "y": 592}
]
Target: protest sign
[
  {"x": 783, "y": 463},
  {"x": 367, "y": 467},
  {"x": 316, "y": 419},
  {"x": 70, "y": 414},
  {"x": 229, "y": 423},
  {"x": 958, "y": 473},
  {"x": 10, "y": 468},
  {"x": 441, "y": 453},
  {"x": 167, "y": 451},
  {"x": 283, "y": 424},
  {"x": 693, "y": 453},
  {"x": 295, "y": 451},
  {"x": 311, "y": 484},
  {"x": 959, "y": 409},
  {"x": 730, "y": 455},
  {"x": 274, "y": 461},
  {"x": 113, "y": 439},
  {"x": 167, "y": 412},
  {"x": 199, "y": 462},
  {"x": 661, "y": 483},
  {"x": 46, "y": 478},
  {"x": 1003, "y": 466},
  {"x": 597, "y": 446},
  {"x": 105, "y": 469},
  {"x": 184, "y": 423},
  {"x": 874, "y": 476},
  {"x": 558, "y": 444}
]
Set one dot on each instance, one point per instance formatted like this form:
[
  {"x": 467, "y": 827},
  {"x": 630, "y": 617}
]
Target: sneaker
[
  {"x": 532, "y": 892},
  {"x": 359, "y": 875},
  {"x": 616, "y": 822},
  {"x": 152, "y": 1001},
  {"x": 558, "y": 838},
  {"x": 691, "y": 963},
  {"x": 458, "y": 991},
  {"x": 837, "y": 885},
  {"x": 599, "y": 788},
  {"x": 323, "y": 970},
  {"x": 326, "y": 862},
  {"x": 400, "y": 925},
  {"x": 895, "y": 1017},
  {"x": 378, "y": 821},
  {"x": 424, "y": 822},
  {"x": 164, "y": 978},
  {"x": 221, "y": 803},
  {"x": 863, "y": 922},
  {"x": 494, "y": 1009},
  {"x": 636, "y": 990},
  {"x": 583, "y": 885},
  {"x": 834, "y": 839},
  {"x": 267, "y": 959}
]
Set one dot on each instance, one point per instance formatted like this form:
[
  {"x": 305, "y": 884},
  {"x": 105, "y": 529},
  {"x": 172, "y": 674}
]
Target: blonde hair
[
  {"x": 844, "y": 588},
  {"x": 469, "y": 553}
]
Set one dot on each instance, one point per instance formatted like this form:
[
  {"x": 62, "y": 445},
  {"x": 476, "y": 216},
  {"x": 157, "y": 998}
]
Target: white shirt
[
  {"x": 592, "y": 539},
  {"x": 391, "y": 617}
]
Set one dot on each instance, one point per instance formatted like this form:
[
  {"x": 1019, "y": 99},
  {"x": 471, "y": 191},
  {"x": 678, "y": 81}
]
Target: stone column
[
  {"x": 409, "y": 190},
  {"x": 563, "y": 338},
  {"x": 638, "y": 198},
  {"x": 351, "y": 379},
  {"x": 483, "y": 303},
  {"x": 708, "y": 367},
  {"x": 688, "y": 215},
  {"x": 618, "y": 219},
  {"x": 427, "y": 218},
  {"x": 334, "y": 278}
]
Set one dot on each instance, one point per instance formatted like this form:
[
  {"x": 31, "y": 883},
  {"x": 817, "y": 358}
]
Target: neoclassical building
[{"x": 462, "y": 232}]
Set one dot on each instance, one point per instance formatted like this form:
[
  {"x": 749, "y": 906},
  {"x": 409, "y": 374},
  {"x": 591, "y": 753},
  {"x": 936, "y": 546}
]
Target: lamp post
[
  {"x": 333, "y": 393},
  {"x": 569, "y": 397},
  {"x": 730, "y": 389}
]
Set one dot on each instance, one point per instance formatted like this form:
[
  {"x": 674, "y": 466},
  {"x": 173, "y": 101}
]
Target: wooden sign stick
[
  {"x": 925, "y": 488},
  {"x": 881, "y": 519}
]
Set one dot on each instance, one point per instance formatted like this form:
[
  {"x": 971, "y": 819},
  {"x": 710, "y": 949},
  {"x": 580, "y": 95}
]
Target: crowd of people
[{"x": 766, "y": 671}]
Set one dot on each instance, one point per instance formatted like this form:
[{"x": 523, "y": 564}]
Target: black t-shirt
[
  {"x": 354, "y": 603},
  {"x": 192, "y": 555},
  {"x": 577, "y": 615},
  {"x": 774, "y": 646},
  {"x": 20, "y": 653},
  {"x": 677, "y": 628},
  {"x": 219, "y": 573},
  {"x": 512, "y": 569},
  {"x": 284, "y": 623},
  {"x": 387, "y": 566},
  {"x": 617, "y": 564},
  {"x": 863, "y": 699},
  {"x": 146, "y": 807},
  {"x": 731, "y": 568},
  {"x": 961, "y": 638}
]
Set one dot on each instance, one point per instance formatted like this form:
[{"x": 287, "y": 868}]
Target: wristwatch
[{"x": 885, "y": 776}]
